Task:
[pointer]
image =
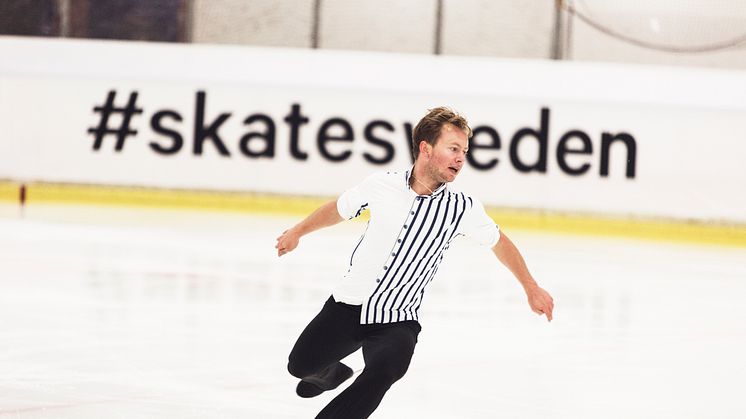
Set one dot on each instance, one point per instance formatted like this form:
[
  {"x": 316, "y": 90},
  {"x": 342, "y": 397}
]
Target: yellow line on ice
[{"x": 510, "y": 219}]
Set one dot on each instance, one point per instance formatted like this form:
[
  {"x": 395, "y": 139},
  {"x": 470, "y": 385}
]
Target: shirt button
[
  {"x": 412, "y": 212},
  {"x": 405, "y": 226},
  {"x": 393, "y": 254},
  {"x": 398, "y": 241},
  {"x": 385, "y": 267},
  {"x": 378, "y": 279}
]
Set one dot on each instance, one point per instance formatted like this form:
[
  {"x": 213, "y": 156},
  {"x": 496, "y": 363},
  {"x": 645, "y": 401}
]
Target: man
[{"x": 414, "y": 217}]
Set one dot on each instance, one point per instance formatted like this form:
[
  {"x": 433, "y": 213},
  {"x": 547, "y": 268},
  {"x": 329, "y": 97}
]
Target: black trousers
[{"x": 335, "y": 333}]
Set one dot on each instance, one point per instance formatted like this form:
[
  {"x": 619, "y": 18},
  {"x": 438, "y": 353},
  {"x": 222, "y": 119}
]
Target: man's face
[{"x": 445, "y": 159}]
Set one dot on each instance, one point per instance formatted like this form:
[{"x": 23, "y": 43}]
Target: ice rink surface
[{"x": 131, "y": 313}]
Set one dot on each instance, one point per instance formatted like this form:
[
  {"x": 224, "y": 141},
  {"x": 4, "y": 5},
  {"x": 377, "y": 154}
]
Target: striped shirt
[{"x": 404, "y": 243}]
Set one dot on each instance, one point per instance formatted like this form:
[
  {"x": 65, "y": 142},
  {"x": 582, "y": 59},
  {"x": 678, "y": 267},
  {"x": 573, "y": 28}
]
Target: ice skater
[{"x": 414, "y": 217}]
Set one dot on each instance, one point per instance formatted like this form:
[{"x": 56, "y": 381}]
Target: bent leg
[
  {"x": 387, "y": 350},
  {"x": 330, "y": 336}
]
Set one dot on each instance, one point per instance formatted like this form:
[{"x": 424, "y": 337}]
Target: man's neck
[{"x": 421, "y": 183}]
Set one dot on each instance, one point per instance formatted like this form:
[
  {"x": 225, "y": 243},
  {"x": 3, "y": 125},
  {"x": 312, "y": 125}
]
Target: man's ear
[{"x": 425, "y": 148}]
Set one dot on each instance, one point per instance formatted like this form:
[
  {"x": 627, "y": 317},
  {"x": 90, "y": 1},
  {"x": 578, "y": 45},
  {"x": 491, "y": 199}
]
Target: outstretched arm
[
  {"x": 539, "y": 300},
  {"x": 325, "y": 216}
]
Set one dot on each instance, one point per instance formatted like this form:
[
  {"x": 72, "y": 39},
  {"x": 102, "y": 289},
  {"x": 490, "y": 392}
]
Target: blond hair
[{"x": 428, "y": 129}]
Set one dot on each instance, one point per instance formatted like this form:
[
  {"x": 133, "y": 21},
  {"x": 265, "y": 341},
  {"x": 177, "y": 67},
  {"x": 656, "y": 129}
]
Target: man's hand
[
  {"x": 287, "y": 242},
  {"x": 324, "y": 216},
  {"x": 540, "y": 301}
]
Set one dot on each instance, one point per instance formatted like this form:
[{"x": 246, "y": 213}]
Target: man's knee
[
  {"x": 389, "y": 373},
  {"x": 299, "y": 369}
]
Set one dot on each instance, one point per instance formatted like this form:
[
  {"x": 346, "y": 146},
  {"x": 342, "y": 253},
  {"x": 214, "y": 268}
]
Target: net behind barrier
[{"x": 684, "y": 26}]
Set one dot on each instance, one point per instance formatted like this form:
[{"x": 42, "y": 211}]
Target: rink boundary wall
[
  {"x": 733, "y": 235},
  {"x": 620, "y": 140}
]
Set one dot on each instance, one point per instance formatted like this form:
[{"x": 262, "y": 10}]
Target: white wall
[
  {"x": 590, "y": 45},
  {"x": 272, "y": 23},
  {"x": 382, "y": 25},
  {"x": 686, "y": 125},
  {"x": 495, "y": 28},
  {"x": 470, "y": 27},
  {"x": 516, "y": 29},
  {"x": 682, "y": 25}
]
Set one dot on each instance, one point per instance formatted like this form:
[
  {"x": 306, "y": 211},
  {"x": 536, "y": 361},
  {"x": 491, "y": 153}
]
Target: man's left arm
[{"x": 539, "y": 300}]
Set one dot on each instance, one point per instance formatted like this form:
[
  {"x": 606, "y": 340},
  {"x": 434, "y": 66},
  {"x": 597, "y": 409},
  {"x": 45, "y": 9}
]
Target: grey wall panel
[
  {"x": 383, "y": 25},
  {"x": 598, "y": 29},
  {"x": 588, "y": 44},
  {"x": 519, "y": 29},
  {"x": 283, "y": 23}
]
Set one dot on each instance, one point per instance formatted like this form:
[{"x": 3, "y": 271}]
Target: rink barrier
[
  {"x": 510, "y": 219},
  {"x": 53, "y": 193}
]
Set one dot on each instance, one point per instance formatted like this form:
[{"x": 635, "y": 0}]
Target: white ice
[{"x": 132, "y": 313}]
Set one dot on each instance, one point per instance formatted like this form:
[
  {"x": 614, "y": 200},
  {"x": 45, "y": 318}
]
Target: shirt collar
[{"x": 435, "y": 193}]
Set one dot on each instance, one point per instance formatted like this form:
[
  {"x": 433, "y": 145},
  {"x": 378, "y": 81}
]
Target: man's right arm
[{"x": 325, "y": 216}]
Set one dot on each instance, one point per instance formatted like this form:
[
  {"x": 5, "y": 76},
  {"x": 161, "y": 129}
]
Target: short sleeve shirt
[{"x": 404, "y": 242}]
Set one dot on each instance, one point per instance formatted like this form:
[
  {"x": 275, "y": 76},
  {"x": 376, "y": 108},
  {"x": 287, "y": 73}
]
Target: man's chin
[{"x": 450, "y": 177}]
